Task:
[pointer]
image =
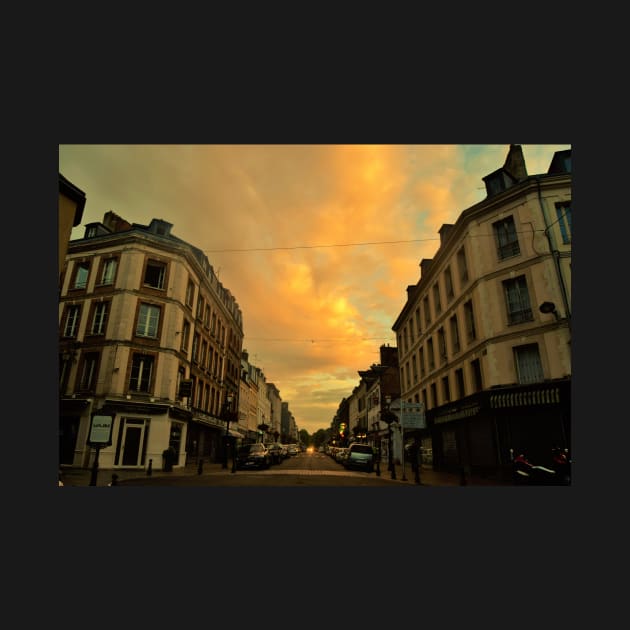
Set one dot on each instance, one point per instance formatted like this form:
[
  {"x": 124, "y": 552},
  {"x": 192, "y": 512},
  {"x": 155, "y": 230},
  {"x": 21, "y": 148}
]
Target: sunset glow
[{"x": 317, "y": 243}]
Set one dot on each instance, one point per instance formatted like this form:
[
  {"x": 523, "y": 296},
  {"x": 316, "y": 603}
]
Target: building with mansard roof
[
  {"x": 484, "y": 338},
  {"x": 150, "y": 339}
]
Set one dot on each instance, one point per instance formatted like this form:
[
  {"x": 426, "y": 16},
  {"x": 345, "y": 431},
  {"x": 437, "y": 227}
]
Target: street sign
[
  {"x": 413, "y": 416},
  {"x": 101, "y": 431}
]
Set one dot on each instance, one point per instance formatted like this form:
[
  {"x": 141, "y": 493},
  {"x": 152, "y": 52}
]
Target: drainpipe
[{"x": 556, "y": 257}]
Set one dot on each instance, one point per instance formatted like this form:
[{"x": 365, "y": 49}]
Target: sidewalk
[{"x": 428, "y": 477}]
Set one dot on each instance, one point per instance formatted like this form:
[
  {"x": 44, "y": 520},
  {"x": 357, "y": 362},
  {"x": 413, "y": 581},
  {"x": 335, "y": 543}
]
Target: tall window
[
  {"x": 190, "y": 293},
  {"x": 185, "y": 336},
  {"x": 99, "y": 318},
  {"x": 155, "y": 274},
  {"x": 475, "y": 370},
  {"x": 471, "y": 331},
  {"x": 87, "y": 380},
  {"x": 528, "y": 366},
  {"x": 459, "y": 382},
  {"x": 141, "y": 373},
  {"x": 81, "y": 273},
  {"x": 418, "y": 326},
  {"x": 72, "y": 321},
  {"x": 448, "y": 283},
  {"x": 427, "y": 311},
  {"x": 462, "y": 266},
  {"x": 108, "y": 271},
  {"x": 431, "y": 355},
  {"x": 195, "y": 348},
  {"x": 517, "y": 301},
  {"x": 436, "y": 299},
  {"x": 506, "y": 237},
  {"x": 206, "y": 317},
  {"x": 421, "y": 358},
  {"x": 446, "y": 389},
  {"x": 442, "y": 345},
  {"x": 454, "y": 334},
  {"x": 148, "y": 321},
  {"x": 563, "y": 210},
  {"x": 434, "y": 398},
  {"x": 414, "y": 367}
]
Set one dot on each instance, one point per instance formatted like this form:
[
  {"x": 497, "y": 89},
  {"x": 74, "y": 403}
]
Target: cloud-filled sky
[{"x": 317, "y": 243}]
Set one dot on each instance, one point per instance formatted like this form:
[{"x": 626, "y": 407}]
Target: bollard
[
  {"x": 200, "y": 467},
  {"x": 150, "y": 468},
  {"x": 462, "y": 476}
]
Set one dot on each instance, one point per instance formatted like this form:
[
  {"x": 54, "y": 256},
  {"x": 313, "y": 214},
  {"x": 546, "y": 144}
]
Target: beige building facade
[
  {"x": 484, "y": 339},
  {"x": 149, "y": 337}
]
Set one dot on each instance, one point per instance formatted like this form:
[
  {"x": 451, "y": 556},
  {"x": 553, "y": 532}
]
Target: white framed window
[
  {"x": 141, "y": 373},
  {"x": 528, "y": 365},
  {"x": 72, "y": 321},
  {"x": 148, "y": 321},
  {"x": 506, "y": 238},
  {"x": 108, "y": 271},
  {"x": 517, "y": 301},
  {"x": 99, "y": 319}
]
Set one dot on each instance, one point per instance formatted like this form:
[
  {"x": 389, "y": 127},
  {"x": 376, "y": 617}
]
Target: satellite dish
[{"x": 547, "y": 307}]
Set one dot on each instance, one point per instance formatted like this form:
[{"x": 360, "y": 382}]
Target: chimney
[
  {"x": 115, "y": 223},
  {"x": 444, "y": 231},
  {"x": 515, "y": 163},
  {"x": 425, "y": 263}
]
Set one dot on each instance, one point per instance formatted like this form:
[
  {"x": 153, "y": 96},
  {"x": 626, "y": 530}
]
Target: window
[
  {"x": 475, "y": 368},
  {"x": 446, "y": 389},
  {"x": 99, "y": 318},
  {"x": 81, "y": 273},
  {"x": 424, "y": 399},
  {"x": 563, "y": 210},
  {"x": 206, "y": 317},
  {"x": 190, "y": 293},
  {"x": 421, "y": 357},
  {"x": 431, "y": 355},
  {"x": 462, "y": 266},
  {"x": 141, "y": 373},
  {"x": 434, "y": 398},
  {"x": 148, "y": 321},
  {"x": 528, "y": 365},
  {"x": 204, "y": 355},
  {"x": 414, "y": 367},
  {"x": 72, "y": 321},
  {"x": 506, "y": 237},
  {"x": 427, "y": 312},
  {"x": 471, "y": 331},
  {"x": 411, "y": 337},
  {"x": 200, "y": 308},
  {"x": 517, "y": 301},
  {"x": 88, "y": 371},
  {"x": 418, "y": 327},
  {"x": 454, "y": 334},
  {"x": 408, "y": 373},
  {"x": 459, "y": 382},
  {"x": 185, "y": 336},
  {"x": 108, "y": 271},
  {"x": 436, "y": 299},
  {"x": 442, "y": 345},
  {"x": 195, "y": 348},
  {"x": 154, "y": 275},
  {"x": 448, "y": 283}
]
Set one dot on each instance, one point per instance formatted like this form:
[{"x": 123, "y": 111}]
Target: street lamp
[
  {"x": 389, "y": 418},
  {"x": 227, "y": 416}
]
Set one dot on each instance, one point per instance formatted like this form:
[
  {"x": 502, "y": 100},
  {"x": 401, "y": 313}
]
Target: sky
[{"x": 317, "y": 243}]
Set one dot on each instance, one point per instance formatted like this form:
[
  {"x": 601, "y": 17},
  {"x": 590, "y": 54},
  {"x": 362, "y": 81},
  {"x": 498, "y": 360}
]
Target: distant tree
[{"x": 304, "y": 437}]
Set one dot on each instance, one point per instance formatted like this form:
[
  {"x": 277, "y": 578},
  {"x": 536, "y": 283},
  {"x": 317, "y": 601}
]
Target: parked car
[
  {"x": 360, "y": 456},
  {"x": 340, "y": 454},
  {"x": 276, "y": 451},
  {"x": 253, "y": 456},
  {"x": 293, "y": 450}
]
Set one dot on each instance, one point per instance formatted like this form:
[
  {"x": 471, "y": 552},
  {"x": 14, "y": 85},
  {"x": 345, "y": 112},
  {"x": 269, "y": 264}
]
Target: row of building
[
  {"x": 482, "y": 366},
  {"x": 151, "y": 345}
]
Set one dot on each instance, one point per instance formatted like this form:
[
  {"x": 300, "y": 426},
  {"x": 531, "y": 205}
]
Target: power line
[
  {"x": 413, "y": 240},
  {"x": 271, "y": 249}
]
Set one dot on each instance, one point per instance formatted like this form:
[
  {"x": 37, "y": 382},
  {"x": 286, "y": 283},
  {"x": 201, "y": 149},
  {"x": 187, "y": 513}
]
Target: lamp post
[
  {"x": 389, "y": 418},
  {"x": 227, "y": 416}
]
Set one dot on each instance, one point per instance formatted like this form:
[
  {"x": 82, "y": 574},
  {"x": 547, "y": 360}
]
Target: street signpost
[{"x": 100, "y": 435}]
